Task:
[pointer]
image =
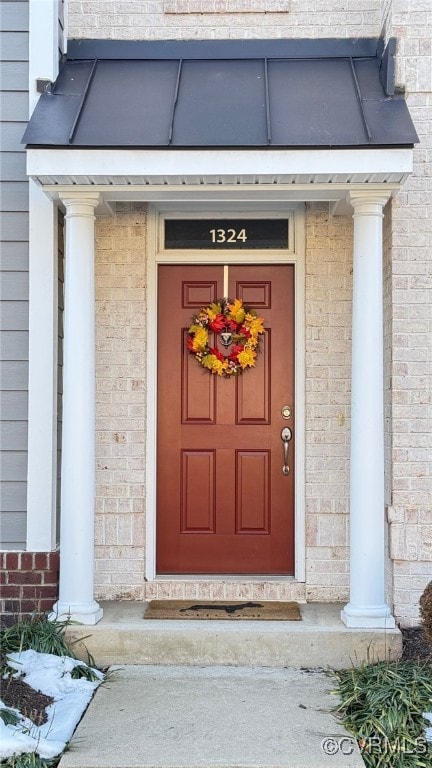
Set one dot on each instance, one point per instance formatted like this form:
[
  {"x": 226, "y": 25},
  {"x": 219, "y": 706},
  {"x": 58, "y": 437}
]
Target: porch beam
[
  {"x": 367, "y": 606},
  {"x": 78, "y": 446},
  {"x": 77, "y": 165}
]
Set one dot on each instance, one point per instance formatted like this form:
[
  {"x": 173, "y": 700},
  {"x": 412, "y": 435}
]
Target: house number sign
[{"x": 231, "y": 234}]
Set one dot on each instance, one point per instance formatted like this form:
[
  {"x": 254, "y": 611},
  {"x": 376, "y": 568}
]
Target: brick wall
[
  {"x": 120, "y": 415},
  {"x": 29, "y": 583},
  {"x": 146, "y": 19},
  {"x": 410, "y": 501},
  {"x": 388, "y": 362},
  {"x": 225, "y": 6},
  {"x": 328, "y": 362}
]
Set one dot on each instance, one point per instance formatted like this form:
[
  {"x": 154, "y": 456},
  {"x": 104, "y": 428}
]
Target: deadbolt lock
[{"x": 286, "y": 412}]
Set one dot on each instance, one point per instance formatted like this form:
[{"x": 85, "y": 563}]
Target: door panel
[
  {"x": 198, "y": 393},
  {"x": 198, "y": 502},
  {"x": 253, "y": 402},
  {"x": 253, "y": 492},
  {"x": 223, "y": 503}
]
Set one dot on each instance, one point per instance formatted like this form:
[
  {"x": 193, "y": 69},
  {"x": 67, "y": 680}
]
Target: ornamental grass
[{"x": 382, "y": 706}]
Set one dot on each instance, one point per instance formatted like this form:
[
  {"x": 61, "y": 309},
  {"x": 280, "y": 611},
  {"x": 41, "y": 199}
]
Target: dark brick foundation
[{"x": 29, "y": 584}]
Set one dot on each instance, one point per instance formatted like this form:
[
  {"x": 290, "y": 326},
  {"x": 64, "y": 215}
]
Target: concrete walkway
[{"x": 212, "y": 717}]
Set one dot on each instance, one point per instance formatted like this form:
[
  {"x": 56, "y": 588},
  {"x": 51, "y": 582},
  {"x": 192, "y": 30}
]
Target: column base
[
  {"x": 83, "y": 613},
  {"x": 368, "y": 617}
]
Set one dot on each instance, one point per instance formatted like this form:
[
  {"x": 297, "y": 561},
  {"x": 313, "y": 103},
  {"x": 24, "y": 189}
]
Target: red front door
[{"x": 224, "y": 505}]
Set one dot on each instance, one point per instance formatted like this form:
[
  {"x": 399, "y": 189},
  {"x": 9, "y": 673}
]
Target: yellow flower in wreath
[
  {"x": 255, "y": 325},
  {"x": 200, "y": 339},
  {"x": 236, "y": 311},
  {"x": 247, "y": 358}
]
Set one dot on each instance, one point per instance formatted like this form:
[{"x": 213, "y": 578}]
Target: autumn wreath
[{"x": 238, "y": 327}]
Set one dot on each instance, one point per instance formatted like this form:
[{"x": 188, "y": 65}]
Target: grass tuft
[
  {"x": 37, "y": 634},
  {"x": 9, "y": 716},
  {"x": 382, "y": 706},
  {"x": 83, "y": 671},
  {"x": 29, "y": 760}
]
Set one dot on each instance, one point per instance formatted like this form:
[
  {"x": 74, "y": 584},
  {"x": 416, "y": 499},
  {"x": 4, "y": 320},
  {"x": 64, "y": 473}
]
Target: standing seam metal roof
[{"x": 242, "y": 94}]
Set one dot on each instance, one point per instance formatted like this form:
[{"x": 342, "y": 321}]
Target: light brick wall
[
  {"x": 225, "y": 6},
  {"x": 146, "y": 20},
  {"x": 120, "y": 421},
  {"x": 216, "y": 589},
  {"x": 410, "y": 504},
  {"x": 388, "y": 362},
  {"x": 328, "y": 360}
]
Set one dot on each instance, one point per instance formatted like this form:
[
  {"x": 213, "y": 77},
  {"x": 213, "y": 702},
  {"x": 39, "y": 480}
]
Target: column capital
[
  {"x": 368, "y": 202},
  {"x": 80, "y": 203}
]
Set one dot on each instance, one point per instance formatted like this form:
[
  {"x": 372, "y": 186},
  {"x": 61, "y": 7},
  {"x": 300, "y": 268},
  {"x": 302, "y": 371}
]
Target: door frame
[{"x": 156, "y": 255}]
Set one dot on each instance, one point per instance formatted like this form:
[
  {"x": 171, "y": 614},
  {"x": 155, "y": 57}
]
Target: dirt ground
[
  {"x": 16, "y": 694},
  {"x": 415, "y": 645}
]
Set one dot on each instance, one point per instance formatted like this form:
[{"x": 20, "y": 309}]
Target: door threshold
[{"x": 249, "y": 577}]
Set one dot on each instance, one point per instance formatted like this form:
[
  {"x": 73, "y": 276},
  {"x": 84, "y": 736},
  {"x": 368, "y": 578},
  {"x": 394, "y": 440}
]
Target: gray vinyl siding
[
  {"x": 13, "y": 73},
  {"x": 13, "y": 273},
  {"x": 13, "y": 163},
  {"x": 13, "y": 17}
]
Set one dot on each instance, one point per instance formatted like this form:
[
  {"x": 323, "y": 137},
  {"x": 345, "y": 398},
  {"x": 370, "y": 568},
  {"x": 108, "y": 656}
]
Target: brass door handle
[{"x": 286, "y": 436}]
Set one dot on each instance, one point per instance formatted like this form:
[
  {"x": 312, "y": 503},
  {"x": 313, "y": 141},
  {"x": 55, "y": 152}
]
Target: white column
[
  {"x": 78, "y": 445},
  {"x": 367, "y": 607}
]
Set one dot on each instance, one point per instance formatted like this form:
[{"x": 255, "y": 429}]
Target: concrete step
[
  {"x": 319, "y": 640},
  {"x": 223, "y": 717}
]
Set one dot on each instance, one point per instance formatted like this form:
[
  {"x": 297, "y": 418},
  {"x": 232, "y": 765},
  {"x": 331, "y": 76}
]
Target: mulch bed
[
  {"x": 415, "y": 646},
  {"x": 15, "y": 693}
]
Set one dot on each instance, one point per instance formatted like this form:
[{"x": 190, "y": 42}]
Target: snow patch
[
  {"x": 50, "y": 675},
  {"x": 428, "y": 731}
]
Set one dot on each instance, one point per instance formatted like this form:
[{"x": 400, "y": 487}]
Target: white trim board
[
  {"x": 156, "y": 256},
  {"x": 43, "y": 45},
  {"x": 42, "y": 414},
  {"x": 210, "y": 166}
]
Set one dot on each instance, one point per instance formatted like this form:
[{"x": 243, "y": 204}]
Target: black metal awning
[{"x": 237, "y": 93}]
